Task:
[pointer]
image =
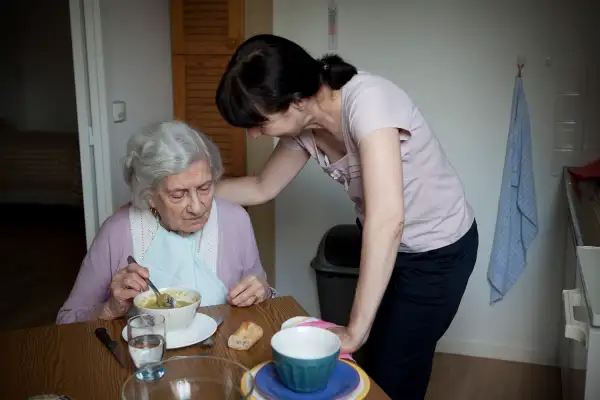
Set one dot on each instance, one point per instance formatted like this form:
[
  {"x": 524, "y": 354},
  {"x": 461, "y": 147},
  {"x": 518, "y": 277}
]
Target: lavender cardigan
[{"x": 237, "y": 257}]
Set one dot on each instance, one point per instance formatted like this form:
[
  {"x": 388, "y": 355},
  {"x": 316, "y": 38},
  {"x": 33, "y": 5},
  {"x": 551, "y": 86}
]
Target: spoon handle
[
  {"x": 153, "y": 287},
  {"x": 131, "y": 260}
]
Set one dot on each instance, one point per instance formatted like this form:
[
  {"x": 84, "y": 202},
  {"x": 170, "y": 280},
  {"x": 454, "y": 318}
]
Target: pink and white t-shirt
[{"x": 437, "y": 213}]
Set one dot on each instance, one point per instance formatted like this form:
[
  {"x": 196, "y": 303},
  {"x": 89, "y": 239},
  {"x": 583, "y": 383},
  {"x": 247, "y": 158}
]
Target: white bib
[{"x": 174, "y": 260}]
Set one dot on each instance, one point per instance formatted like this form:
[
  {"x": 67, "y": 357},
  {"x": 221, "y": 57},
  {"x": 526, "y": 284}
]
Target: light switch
[{"x": 118, "y": 110}]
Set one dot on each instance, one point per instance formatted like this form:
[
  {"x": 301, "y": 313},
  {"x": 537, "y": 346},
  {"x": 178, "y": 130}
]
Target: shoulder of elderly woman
[
  {"x": 231, "y": 212},
  {"x": 113, "y": 243},
  {"x": 117, "y": 225},
  {"x": 234, "y": 223}
]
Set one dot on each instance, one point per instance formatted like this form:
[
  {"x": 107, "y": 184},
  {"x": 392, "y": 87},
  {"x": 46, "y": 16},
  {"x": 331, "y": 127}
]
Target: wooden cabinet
[{"x": 205, "y": 34}]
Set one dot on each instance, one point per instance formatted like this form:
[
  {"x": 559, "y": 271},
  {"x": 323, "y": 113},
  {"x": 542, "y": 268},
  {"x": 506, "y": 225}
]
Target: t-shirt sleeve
[{"x": 376, "y": 105}]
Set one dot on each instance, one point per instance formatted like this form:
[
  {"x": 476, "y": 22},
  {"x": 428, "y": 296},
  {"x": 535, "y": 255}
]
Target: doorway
[{"x": 47, "y": 177}]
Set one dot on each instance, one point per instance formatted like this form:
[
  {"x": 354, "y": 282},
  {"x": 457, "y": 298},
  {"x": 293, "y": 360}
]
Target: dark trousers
[{"x": 417, "y": 308}]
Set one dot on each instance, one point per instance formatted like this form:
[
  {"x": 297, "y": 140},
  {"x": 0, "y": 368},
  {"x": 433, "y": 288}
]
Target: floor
[
  {"x": 42, "y": 248},
  {"x": 458, "y": 377}
]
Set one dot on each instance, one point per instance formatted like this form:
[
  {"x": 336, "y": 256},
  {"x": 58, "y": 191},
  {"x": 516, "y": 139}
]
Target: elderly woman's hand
[
  {"x": 250, "y": 290},
  {"x": 126, "y": 284}
]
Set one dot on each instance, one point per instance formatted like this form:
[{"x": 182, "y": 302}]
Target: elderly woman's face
[{"x": 184, "y": 200}]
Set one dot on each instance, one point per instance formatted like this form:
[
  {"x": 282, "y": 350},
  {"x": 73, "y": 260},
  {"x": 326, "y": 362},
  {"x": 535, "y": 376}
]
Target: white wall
[
  {"x": 456, "y": 58},
  {"x": 137, "y": 56},
  {"x": 36, "y": 72}
]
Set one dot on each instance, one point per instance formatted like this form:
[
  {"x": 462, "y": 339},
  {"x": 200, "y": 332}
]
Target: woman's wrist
[
  {"x": 102, "y": 312},
  {"x": 359, "y": 325},
  {"x": 106, "y": 312},
  {"x": 268, "y": 293},
  {"x": 362, "y": 314}
]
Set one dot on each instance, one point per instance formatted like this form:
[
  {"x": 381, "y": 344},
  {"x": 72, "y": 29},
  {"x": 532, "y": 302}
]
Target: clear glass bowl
[{"x": 194, "y": 377}]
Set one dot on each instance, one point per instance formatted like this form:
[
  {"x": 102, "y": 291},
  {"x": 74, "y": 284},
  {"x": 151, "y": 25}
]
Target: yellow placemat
[{"x": 366, "y": 382}]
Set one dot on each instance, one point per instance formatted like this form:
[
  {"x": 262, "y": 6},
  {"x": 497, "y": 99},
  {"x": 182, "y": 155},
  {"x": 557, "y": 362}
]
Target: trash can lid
[{"x": 339, "y": 250}]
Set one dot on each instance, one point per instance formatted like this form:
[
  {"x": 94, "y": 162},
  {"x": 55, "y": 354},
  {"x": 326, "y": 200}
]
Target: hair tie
[{"x": 326, "y": 66}]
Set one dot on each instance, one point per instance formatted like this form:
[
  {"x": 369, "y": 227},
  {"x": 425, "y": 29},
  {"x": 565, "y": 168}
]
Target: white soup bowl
[{"x": 175, "y": 318}]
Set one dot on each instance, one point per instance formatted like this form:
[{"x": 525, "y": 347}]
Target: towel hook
[{"x": 520, "y": 65}]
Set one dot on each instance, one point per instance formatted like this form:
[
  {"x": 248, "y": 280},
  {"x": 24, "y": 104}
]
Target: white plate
[
  {"x": 201, "y": 328},
  {"x": 296, "y": 321}
]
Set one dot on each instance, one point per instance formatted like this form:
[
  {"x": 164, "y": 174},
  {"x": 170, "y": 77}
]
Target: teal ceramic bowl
[{"x": 305, "y": 357}]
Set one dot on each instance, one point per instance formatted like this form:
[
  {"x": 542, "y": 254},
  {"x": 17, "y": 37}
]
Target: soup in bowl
[{"x": 178, "y": 318}]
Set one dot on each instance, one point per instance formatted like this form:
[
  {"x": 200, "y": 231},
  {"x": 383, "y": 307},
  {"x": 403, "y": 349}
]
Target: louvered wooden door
[{"x": 205, "y": 34}]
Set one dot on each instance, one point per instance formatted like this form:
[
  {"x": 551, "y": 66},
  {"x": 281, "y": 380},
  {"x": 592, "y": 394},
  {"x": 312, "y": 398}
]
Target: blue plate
[{"x": 344, "y": 381}]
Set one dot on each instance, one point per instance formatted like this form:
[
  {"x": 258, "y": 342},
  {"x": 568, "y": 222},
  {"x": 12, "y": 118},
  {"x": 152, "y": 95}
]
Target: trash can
[{"x": 336, "y": 265}]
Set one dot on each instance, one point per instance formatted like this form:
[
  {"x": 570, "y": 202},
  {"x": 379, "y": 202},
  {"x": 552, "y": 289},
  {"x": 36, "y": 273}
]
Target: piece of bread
[{"x": 246, "y": 336}]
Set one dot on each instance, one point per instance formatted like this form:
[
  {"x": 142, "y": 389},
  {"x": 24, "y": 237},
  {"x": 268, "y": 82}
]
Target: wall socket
[{"x": 118, "y": 111}]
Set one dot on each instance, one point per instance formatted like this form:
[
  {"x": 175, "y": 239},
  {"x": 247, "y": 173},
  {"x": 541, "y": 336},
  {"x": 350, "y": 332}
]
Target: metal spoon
[{"x": 162, "y": 299}]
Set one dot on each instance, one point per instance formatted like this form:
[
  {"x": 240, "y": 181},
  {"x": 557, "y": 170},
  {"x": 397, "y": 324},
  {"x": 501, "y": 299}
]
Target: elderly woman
[{"x": 176, "y": 229}]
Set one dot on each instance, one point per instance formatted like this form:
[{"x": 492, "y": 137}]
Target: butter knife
[{"x": 114, "y": 347}]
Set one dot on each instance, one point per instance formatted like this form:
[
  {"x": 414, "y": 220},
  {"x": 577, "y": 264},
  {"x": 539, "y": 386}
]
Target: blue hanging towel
[{"x": 516, "y": 223}]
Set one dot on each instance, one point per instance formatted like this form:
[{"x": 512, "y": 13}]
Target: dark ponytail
[
  {"x": 267, "y": 73},
  {"x": 336, "y": 72}
]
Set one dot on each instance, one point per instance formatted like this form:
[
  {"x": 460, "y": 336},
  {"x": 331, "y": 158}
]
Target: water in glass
[{"x": 147, "y": 345}]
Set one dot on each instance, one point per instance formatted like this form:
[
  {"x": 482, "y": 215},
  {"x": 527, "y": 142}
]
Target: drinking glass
[{"x": 146, "y": 336}]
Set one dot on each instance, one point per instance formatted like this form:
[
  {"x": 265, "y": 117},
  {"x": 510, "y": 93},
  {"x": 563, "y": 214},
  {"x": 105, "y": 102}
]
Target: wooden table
[{"x": 69, "y": 360}]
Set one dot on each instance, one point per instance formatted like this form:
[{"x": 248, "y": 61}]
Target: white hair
[{"x": 165, "y": 149}]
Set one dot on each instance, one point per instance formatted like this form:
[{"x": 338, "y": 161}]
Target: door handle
[{"x": 574, "y": 329}]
